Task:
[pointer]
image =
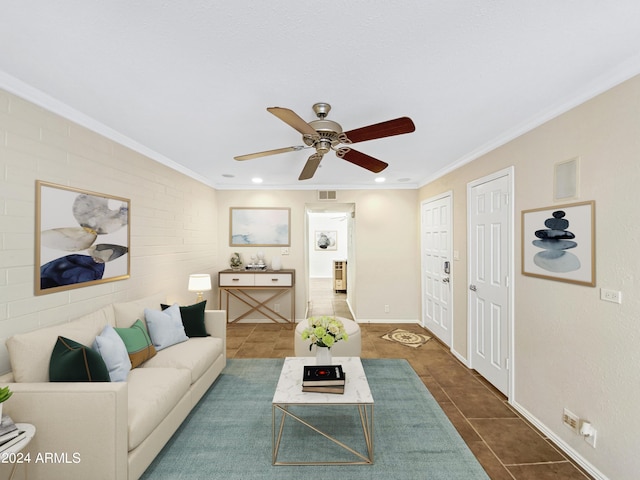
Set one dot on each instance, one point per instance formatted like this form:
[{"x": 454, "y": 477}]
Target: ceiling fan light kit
[{"x": 325, "y": 135}]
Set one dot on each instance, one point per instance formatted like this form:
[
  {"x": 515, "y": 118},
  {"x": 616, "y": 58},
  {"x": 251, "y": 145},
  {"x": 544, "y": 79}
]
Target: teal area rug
[{"x": 228, "y": 434}]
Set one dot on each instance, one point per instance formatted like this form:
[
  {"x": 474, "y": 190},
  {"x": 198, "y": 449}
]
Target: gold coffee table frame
[{"x": 289, "y": 393}]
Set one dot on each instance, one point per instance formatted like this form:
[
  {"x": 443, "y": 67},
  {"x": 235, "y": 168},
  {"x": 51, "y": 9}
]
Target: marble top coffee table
[{"x": 289, "y": 393}]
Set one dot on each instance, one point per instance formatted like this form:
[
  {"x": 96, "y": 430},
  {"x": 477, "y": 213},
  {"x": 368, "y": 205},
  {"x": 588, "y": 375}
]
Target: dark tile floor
[{"x": 506, "y": 445}]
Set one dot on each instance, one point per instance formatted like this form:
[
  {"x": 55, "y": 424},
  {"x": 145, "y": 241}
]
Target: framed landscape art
[
  {"x": 259, "y": 227},
  {"x": 82, "y": 238},
  {"x": 558, "y": 243}
]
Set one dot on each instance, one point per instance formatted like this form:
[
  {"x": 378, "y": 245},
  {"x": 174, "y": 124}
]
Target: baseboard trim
[
  {"x": 564, "y": 446},
  {"x": 462, "y": 359}
]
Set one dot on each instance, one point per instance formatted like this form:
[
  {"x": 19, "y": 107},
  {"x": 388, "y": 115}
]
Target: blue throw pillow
[
  {"x": 165, "y": 327},
  {"x": 114, "y": 353}
]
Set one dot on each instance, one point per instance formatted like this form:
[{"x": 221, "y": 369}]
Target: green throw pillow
[
  {"x": 73, "y": 362},
  {"x": 138, "y": 343},
  {"x": 192, "y": 319}
]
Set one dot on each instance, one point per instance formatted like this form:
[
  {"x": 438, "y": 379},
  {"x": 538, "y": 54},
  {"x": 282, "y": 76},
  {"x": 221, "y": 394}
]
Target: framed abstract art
[{"x": 82, "y": 238}]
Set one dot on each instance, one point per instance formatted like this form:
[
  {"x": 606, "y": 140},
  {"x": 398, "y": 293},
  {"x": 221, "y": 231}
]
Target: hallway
[{"x": 323, "y": 300}]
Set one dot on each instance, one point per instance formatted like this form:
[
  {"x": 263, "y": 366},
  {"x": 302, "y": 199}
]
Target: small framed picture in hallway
[{"x": 326, "y": 240}]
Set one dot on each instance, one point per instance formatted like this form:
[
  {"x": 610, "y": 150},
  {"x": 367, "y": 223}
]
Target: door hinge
[{"x": 506, "y": 199}]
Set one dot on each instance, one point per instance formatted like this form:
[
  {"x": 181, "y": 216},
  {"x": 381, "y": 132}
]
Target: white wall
[
  {"x": 321, "y": 261},
  {"x": 173, "y": 217},
  {"x": 386, "y": 246},
  {"x": 572, "y": 349}
]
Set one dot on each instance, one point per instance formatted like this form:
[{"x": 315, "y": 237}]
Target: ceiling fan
[{"x": 324, "y": 135}]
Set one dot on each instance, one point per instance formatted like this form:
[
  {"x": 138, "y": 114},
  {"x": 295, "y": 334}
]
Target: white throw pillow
[
  {"x": 165, "y": 327},
  {"x": 114, "y": 353}
]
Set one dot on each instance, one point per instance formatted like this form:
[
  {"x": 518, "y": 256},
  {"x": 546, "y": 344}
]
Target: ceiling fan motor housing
[{"x": 329, "y": 135}]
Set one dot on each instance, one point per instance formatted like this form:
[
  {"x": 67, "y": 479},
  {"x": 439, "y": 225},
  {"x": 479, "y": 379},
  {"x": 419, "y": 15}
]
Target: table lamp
[{"x": 199, "y": 282}]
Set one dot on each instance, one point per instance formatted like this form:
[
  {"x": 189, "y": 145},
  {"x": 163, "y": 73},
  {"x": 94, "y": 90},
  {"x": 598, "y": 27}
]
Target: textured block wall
[{"x": 173, "y": 217}]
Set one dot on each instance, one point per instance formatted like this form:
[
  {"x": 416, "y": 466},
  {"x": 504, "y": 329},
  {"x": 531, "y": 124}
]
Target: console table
[{"x": 243, "y": 284}]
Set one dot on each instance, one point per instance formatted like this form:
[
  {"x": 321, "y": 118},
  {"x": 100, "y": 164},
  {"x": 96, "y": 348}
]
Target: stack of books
[
  {"x": 323, "y": 379},
  {"x": 9, "y": 433}
]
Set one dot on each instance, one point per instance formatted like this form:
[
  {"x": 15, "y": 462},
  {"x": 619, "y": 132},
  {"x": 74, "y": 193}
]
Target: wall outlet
[
  {"x": 610, "y": 295},
  {"x": 570, "y": 420},
  {"x": 386, "y": 309},
  {"x": 284, "y": 251},
  {"x": 591, "y": 439},
  {"x": 589, "y": 433}
]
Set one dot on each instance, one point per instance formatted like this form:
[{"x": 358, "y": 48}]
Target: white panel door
[
  {"x": 489, "y": 254},
  {"x": 436, "y": 267}
]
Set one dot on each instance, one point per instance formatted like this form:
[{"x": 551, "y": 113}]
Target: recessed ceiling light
[
  {"x": 256, "y": 180},
  {"x": 380, "y": 179}
]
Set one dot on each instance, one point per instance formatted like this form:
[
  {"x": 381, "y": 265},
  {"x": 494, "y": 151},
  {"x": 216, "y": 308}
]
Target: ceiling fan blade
[
  {"x": 389, "y": 128},
  {"x": 310, "y": 167},
  {"x": 362, "y": 160},
  {"x": 292, "y": 119},
  {"x": 269, "y": 152}
]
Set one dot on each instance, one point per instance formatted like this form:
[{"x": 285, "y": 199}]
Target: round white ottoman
[{"x": 349, "y": 348}]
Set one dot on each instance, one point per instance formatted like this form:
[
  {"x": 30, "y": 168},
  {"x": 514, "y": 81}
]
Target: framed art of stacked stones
[
  {"x": 558, "y": 243},
  {"x": 82, "y": 238}
]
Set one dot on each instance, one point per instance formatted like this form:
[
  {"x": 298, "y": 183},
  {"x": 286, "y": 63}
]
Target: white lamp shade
[{"x": 199, "y": 282}]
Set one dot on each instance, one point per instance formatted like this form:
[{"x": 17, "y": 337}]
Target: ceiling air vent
[{"x": 327, "y": 195}]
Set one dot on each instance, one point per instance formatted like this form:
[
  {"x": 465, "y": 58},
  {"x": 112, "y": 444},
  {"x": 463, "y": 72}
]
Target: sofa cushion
[
  {"x": 165, "y": 327},
  {"x": 73, "y": 362},
  {"x": 138, "y": 343},
  {"x": 114, "y": 353},
  {"x": 30, "y": 353},
  {"x": 192, "y": 319},
  {"x": 153, "y": 393},
  {"x": 196, "y": 356}
]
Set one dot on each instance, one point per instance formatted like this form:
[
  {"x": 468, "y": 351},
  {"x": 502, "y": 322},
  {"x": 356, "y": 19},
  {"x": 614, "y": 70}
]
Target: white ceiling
[{"x": 188, "y": 82}]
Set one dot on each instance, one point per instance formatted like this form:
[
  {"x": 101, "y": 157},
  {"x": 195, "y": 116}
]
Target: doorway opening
[{"x": 330, "y": 263}]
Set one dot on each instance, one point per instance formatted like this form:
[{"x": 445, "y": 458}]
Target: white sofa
[{"x": 107, "y": 430}]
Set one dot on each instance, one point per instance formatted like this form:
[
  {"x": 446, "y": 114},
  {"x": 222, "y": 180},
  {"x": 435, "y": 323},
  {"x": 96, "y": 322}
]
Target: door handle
[
  {"x": 473, "y": 288},
  {"x": 445, "y": 280}
]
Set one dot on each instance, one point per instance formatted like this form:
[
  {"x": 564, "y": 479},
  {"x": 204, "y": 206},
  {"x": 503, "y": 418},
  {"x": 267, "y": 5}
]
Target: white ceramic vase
[{"x": 323, "y": 355}]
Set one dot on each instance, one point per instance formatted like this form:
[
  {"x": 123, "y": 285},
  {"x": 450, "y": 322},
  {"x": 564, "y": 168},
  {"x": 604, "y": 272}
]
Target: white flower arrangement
[{"x": 324, "y": 331}]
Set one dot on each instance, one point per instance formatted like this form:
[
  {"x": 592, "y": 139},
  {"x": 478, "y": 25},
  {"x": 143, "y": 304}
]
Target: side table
[
  {"x": 13, "y": 454},
  {"x": 243, "y": 285}
]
